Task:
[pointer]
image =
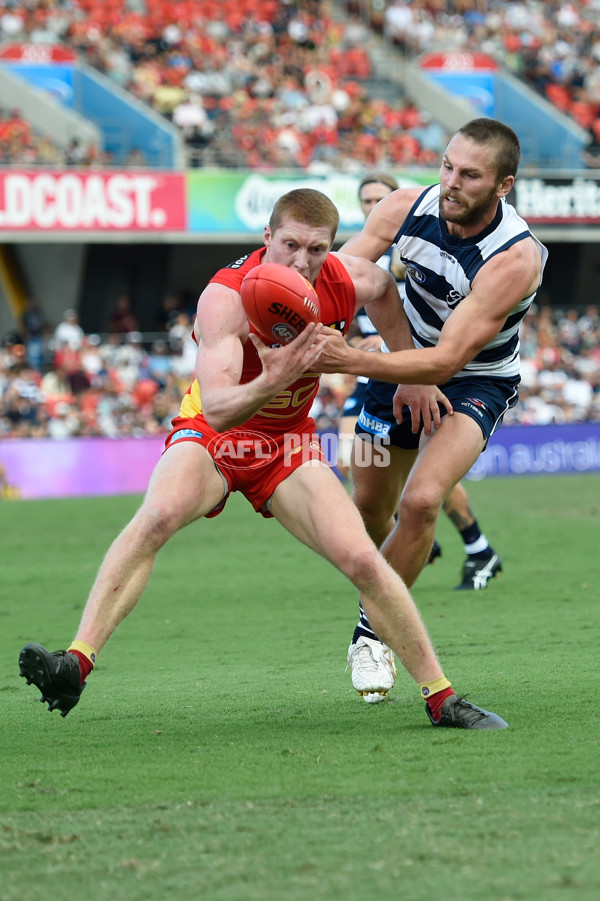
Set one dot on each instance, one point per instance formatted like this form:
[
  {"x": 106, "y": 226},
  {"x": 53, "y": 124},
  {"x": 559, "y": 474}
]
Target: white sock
[{"x": 478, "y": 547}]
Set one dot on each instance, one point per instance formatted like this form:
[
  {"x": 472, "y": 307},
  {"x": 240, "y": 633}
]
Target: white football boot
[{"x": 373, "y": 669}]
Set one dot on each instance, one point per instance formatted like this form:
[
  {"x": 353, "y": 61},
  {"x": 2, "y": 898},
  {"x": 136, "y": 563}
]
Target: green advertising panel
[{"x": 233, "y": 203}]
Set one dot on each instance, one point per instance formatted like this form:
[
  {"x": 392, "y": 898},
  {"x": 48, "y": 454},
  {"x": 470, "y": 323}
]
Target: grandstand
[
  {"x": 261, "y": 87},
  {"x": 144, "y": 142}
]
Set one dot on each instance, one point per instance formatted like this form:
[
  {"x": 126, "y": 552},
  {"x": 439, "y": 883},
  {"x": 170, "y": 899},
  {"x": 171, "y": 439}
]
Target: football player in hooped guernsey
[
  {"x": 244, "y": 426},
  {"x": 473, "y": 269}
]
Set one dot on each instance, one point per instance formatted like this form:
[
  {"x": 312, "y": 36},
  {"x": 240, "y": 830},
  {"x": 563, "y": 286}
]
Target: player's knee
[
  {"x": 361, "y": 565},
  {"x": 419, "y": 504},
  {"x": 156, "y": 523}
]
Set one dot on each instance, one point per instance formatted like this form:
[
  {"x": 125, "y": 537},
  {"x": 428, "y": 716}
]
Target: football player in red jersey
[{"x": 244, "y": 425}]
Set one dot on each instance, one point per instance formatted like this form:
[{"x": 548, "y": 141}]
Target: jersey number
[{"x": 287, "y": 399}]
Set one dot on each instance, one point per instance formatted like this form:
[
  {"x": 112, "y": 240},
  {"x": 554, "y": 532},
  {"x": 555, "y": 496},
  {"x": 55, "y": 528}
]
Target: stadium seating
[
  {"x": 232, "y": 60},
  {"x": 159, "y": 50}
]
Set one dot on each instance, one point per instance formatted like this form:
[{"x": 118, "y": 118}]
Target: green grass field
[{"x": 220, "y": 753}]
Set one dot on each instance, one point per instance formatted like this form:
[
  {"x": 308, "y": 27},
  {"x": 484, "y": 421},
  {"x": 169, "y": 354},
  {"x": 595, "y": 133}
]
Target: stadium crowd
[
  {"x": 251, "y": 85},
  {"x": 21, "y": 144},
  {"x": 554, "y": 47},
  {"x": 276, "y": 84},
  {"x": 61, "y": 383}
]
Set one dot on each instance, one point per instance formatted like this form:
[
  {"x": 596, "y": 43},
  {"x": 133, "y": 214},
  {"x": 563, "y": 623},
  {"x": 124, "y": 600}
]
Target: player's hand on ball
[
  {"x": 279, "y": 302},
  {"x": 285, "y": 364}
]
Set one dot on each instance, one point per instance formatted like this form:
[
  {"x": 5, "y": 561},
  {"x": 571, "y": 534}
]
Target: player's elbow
[{"x": 216, "y": 418}]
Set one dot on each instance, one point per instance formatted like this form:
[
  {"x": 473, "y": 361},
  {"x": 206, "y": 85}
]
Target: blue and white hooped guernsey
[
  {"x": 440, "y": 272},
  {"x": 364, "y": 323}
]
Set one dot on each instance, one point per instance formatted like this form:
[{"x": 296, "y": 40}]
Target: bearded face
[
  {"x": 461, "y": 210},
  {"x": 470, "y": 189}
]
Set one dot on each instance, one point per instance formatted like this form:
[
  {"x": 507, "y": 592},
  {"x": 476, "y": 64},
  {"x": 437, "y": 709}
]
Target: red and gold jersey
[{"x": 284, "y": 413}]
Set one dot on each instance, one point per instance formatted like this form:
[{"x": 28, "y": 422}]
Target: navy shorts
[{"x": 483, "y": 399}]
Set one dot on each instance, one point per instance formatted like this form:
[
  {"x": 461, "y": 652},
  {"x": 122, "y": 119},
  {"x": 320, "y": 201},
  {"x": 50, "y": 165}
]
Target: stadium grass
[{"x": 220, "y": 753}]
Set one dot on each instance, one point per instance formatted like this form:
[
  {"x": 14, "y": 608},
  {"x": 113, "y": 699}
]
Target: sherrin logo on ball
[{"x": 279, "y": 302}]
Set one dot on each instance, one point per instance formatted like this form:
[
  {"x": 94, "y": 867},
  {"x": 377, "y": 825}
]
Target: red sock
[
  {"x": 435, "y": 702},
  {"x": 85, "y": 664}
]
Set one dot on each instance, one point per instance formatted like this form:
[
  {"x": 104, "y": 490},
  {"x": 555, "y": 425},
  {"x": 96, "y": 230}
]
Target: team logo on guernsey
[{"x": 415, "y": 273}]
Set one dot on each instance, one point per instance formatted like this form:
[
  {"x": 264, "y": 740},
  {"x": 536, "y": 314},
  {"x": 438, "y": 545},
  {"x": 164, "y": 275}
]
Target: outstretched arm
[
  {"x": 378, "y": 293},
  {"x": 498, "y": 287}
]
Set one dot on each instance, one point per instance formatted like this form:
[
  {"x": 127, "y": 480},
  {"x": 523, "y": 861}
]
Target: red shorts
[{"x": 250, "y": 461}]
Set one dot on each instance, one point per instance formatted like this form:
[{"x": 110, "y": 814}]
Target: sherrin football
[{"x": 279, "y": 302}]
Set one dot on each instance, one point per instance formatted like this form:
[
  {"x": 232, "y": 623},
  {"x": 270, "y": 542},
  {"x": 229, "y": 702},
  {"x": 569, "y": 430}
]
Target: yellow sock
[
  {"x": 431, "y": 688},
  {"x": 86, "y": 649}
]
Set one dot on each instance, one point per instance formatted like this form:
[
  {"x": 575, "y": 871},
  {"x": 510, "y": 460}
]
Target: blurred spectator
[
  {"x": 161, "y": 414},
  {"x": 132, "y": 350},
  {"x": 12, "y": 352},
  {"x": 431, "y": 136},
  {"x": 69, "y": 332},
  {"x": 76, "y": 154},
  {"x": 34, "y": 331},
  {"x": 166, "y": 99},
  {"x": 190, "y": 116},
  {"x": 64, "y": 423},
  {"x": 110, "y": 350},
  {"x": 577, "y": 396},
  {"x": 568, "y": 331},
  {"x": 159, "y": 363},
  {"x": 67, "y": 357},
  {"x": 13, "y": 127},
  {"x": 12, "y": 22},
  {"x": 126, "y": 374},
  {"x": 168, "y": 312},
  {"x": 122, "y": 318},
  {"x": 180, "y": 327},
  {"x": 136, "y": 159},
  {"x": 55, "y": 387},
  {"x": 20, "y": 144},
  {"x": 21, "y": 398},
  {"x": 183, "y": 348},
  {"x": 91, "y": 358}
]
